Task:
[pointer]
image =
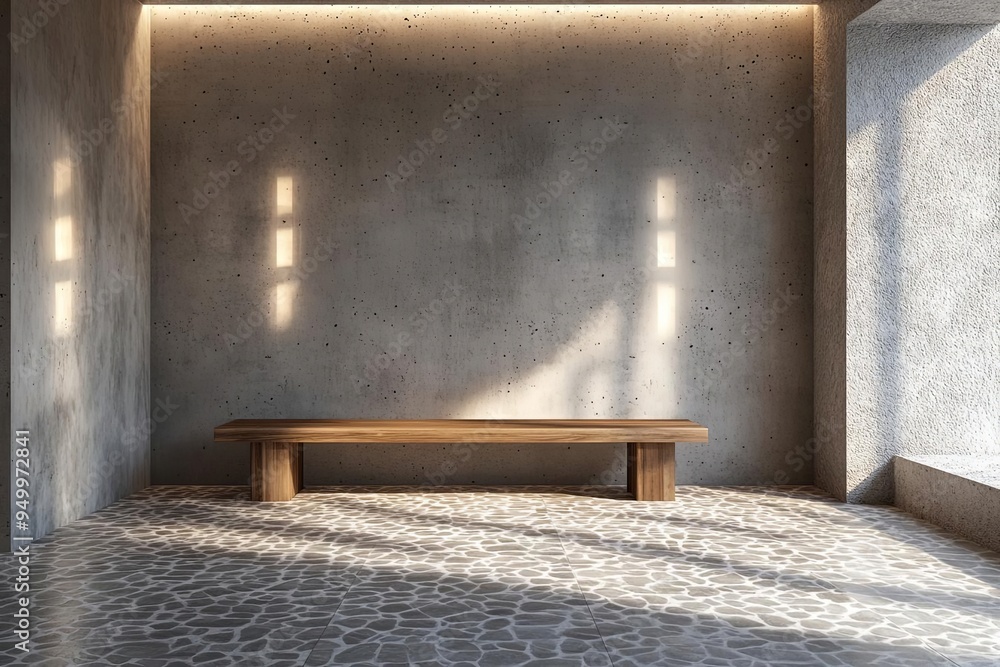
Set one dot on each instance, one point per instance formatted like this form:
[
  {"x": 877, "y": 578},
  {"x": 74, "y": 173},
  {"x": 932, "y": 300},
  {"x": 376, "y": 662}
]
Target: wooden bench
[{"x": 276, "y": 471}]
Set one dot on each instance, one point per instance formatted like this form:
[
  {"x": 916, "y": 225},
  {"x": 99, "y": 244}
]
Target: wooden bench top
[{"x": 443, "y": 431}]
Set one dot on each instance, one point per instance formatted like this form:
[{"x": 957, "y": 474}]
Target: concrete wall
[
  {"x": 80, "y": 252},
  {"x": 574, "y": 311},
  {"x": 923, "y": 239},
  {"x": 461, "y": 2},
  {"x": 933, "y": 12},
  {"x": 830, "y": 296},
  {"x": 5, "y": 357},
  {"x": 958, "y": 493}
]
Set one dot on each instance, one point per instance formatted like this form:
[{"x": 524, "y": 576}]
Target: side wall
[
  {"x": 370, "y": 250},
  {"x": 923, "y": 238},
  {"x": 5, "y": 460},
  {"x": 80, "y": 252},
  {"x": 830, "y": 324}
]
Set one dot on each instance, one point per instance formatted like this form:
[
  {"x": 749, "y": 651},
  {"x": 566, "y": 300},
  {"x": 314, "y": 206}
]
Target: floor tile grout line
[
  {"x": 945, "y": 658},
  {"x": 889, "y": 621},
  {"x": 340, "y": 604},
  {"x": 583, "y": 593}
]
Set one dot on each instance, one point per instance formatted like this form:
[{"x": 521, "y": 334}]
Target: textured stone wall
[
  {"x": 614, "y": 221},
  {"x": 932, "y": 12},
  {"x": 959, "y": 493},
  {"x": 80, "y": 252},
  {"x": 923, "y": 238},
  {"x": 895, "y": 148}
]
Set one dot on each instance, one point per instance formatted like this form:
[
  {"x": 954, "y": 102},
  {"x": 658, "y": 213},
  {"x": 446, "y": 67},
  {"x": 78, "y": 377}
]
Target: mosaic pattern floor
[{"x": 743, "y": 577}]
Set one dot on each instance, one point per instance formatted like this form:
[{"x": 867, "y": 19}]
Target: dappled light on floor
[{"x": 514, "y": 576}]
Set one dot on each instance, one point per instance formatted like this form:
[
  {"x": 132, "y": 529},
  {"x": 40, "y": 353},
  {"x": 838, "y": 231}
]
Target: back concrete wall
[{"x": 483, "y": 212}]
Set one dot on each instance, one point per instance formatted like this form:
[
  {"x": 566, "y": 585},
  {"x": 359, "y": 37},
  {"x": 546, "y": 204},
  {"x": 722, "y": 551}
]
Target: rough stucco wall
[
  {"x": 959, "y": 493},
  {"x": 923, "y": 299},
  {"x": 933, "y": 12},
  {"x": 567, "y": 316},
  {"x": 80, "y": 244},
  {"x": 830, "y": 358}
]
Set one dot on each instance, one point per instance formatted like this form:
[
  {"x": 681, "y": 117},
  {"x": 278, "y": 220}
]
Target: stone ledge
[{"x": 958, "y": 493}]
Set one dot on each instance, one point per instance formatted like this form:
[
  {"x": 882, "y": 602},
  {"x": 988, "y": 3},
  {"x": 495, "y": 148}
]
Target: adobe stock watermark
[
  {"x": 750, "y": 332},
  {"x": 581, "y": 160},
  {"x": 454, "y": 117},
  {"x": 550, "y": 191},
  {"x": 246, "y": 326},
  {"x": 94, "y": 137},
  {"x": 784, "y": 130},
  {"x": 161, "y": 411},
  {"x": 804, "y": 453},
  {"x": 21, "y": 523},
  {"x": 416, "y": 325},
  {"x": 375, "y": 23},
  {"x": 129, "y": 625},
  {"x": 248, "y": 149},
  {"x": 610, "y": 475},
  {"x": 134, "y": 443},
  {"x": 34, "y": 22},
  {"x": 695, "y": 49},
  {"x": 461, "y": 452},
  {"x": 87, "y": 310}
]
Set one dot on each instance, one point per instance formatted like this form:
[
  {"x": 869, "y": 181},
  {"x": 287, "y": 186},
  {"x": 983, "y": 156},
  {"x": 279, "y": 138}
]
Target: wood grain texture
[
  {"x": 651, "y": 470},
  {"x": 630, "y": 468},
  {"x": 275, "y": 471},
  {"x": 444, "y": 431}
]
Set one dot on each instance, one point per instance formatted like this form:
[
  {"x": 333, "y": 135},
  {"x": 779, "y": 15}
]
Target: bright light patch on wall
[
  {"x": 62, "y": 178},
  {"x": 666, "y": 309},
  {"x": 63, "y": 311},
  {"x": 284, "y": 195},
  {"x": 666, "y": 198},
  {"x": 285, "y": 247},
  {"x": 64, "y": 238},
  {"x": 284, "y": 295},
  {"x": 666, "y": 249},
  {"x": 575, "y": 380}
]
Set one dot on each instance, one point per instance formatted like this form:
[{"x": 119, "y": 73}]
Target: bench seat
[{"x": 276, "y": 471}]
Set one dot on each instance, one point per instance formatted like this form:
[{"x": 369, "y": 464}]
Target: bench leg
[
  {"x": 651, "y": 470},
  {"x": 276, "y": 470}
]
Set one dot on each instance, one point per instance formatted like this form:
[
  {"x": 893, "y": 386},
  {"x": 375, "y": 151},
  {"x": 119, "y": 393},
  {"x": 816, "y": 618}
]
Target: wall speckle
[
  {"x": 615, "y": 221},
  {"x": 80, "y": 254}
]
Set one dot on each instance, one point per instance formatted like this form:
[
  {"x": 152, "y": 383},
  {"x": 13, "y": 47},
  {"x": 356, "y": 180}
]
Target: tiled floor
[{"x": 743, "y": 577}]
